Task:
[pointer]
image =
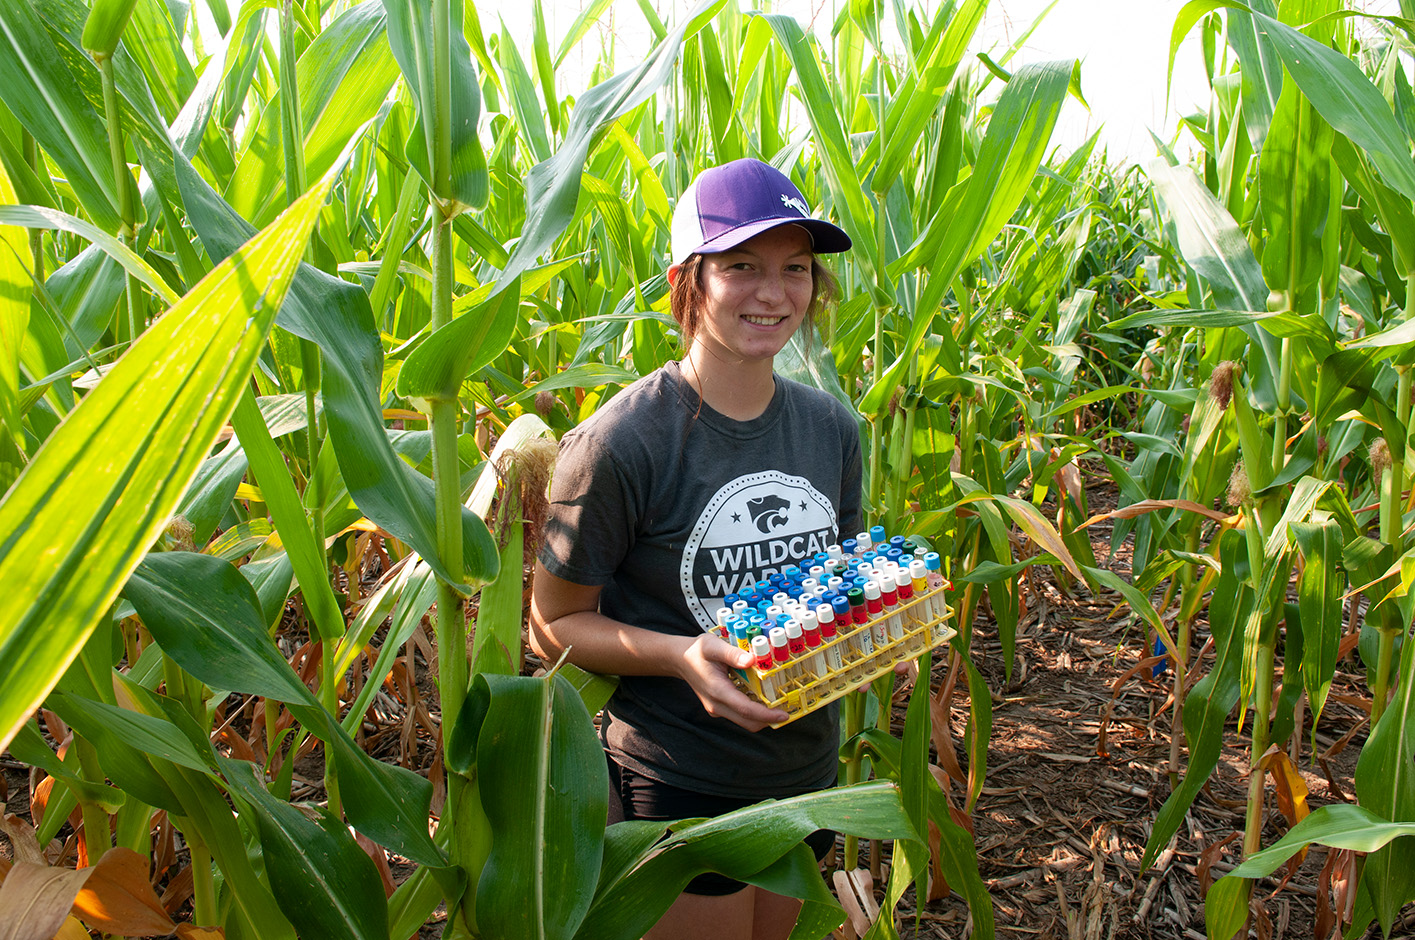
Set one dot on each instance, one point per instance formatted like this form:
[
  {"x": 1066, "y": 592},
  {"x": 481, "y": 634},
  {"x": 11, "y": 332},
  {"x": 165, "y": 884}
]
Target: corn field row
[{"x": 289, "y": 312}]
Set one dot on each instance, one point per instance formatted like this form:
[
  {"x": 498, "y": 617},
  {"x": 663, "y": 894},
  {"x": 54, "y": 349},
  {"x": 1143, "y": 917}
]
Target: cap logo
[{"x": 794, "y": 203}]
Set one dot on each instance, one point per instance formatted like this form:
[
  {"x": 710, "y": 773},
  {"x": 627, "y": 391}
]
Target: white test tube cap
[
  {"x": 862, "y": 542},
  {"x": 835, "y": 552},
  {"x": 825, "y": 613},
  {"x": 872, "y": 591},
  {"x": 809, "y": 621},
  {"x": 793, "y": 629},
  {"x": 723, "y": 615},
  {"x": 739, "y": 606},
  {"x": 917, "y": 569},
  {"x": 761, "y": 646},
  {"x": 780, "y": 597},
  {"x": 777, "y": 636},
  {"x": 774, "y": 611}
]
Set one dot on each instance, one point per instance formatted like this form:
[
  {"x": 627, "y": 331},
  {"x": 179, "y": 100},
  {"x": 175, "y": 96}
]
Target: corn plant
[{"x": 1266, "y": 270}]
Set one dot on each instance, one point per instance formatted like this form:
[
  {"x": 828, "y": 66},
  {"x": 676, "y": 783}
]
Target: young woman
[{"x": 704, "y": 473}]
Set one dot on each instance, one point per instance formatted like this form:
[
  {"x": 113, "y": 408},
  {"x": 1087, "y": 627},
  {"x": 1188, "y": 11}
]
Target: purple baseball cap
[{"x": 728, "y": 204}]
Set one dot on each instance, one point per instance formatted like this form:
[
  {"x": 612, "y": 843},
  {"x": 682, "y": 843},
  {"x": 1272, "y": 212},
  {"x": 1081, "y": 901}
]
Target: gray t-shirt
[{"x": 667, "y": 505}]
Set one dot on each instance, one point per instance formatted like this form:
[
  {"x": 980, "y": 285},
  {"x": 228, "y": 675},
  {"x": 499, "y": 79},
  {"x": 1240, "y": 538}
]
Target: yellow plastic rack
[{"x": 800, "y": 692}]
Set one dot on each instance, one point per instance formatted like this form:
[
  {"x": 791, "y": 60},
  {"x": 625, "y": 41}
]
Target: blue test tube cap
[
  {"x": 931, "y": 559},
  {"x": 877, "y": 534},
  {"x": 840, "y": 604},
  {"x": 897, "y": 542},
  {"x": 847, "y": 547}
]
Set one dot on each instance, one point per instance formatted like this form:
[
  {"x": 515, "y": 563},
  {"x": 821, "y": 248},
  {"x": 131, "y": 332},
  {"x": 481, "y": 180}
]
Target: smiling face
[{"x": 752, "y": 297}]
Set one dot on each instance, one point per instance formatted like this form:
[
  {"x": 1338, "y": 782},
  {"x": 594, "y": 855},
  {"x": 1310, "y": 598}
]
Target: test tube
[
  {"x": 780, "y": 654},
  {"x": 860, "y": 637},
  {"x": 810, "y": 632},
  {"x": 761, "y": 649},
  {"x": 874, "y": 605},
  {"x": 889, "y": 598},
  {"x": 825, "y": 615}
]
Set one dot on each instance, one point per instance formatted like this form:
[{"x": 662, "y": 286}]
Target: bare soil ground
[{"x": 1062, "y": 821}]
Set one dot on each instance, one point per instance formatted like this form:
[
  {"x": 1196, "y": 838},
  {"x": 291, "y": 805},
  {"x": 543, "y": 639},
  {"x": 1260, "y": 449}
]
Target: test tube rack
[{"x": 795, "y": 689}]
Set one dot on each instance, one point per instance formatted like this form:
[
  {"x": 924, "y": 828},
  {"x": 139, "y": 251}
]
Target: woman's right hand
[{"x": 705, "y": 665}]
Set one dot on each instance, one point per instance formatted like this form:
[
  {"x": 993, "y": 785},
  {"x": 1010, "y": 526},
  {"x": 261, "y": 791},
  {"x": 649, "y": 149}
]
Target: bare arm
[{"x": 565, "y": 615}]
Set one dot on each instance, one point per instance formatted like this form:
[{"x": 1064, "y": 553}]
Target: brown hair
[{"x": 685, "y": 298}]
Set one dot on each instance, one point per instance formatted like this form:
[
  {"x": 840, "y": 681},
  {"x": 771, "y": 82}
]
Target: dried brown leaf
[
  {"x": 22, "y": 837},
  {"x": 119, "y": 898},
  {"x": 1153, "y": 505},
  {"x": 1207, "y": 858},
  {"x": 35, "y": 899},
  {"x": 178, "y": 891},
  {"x": 855, "y": 890},
  {"x": 380, "y": 861}
]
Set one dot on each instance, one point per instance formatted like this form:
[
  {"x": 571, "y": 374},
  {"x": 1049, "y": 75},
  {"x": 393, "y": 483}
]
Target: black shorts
[{"x": 634, "y": 796}]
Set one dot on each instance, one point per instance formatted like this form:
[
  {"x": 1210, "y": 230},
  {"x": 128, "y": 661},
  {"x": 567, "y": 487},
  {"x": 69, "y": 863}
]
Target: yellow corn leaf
[
  {"x": 72, "y": 930},
  {"x": 1288, "y": 785}
]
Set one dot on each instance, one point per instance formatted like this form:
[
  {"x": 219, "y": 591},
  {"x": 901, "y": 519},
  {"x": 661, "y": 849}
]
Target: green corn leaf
[
  {"x": 14, "y": 315},
  {"x": 544, "y": 787},
  {"x": 335, "y": 315},
  {"x": 976, "y": 209},
  {"x": 1226, "y": 907},
  {"x": 521, "y": 92},
  {"x": 206, "y": 617},
  {"x": 1295, "y": 174},
  {"x": 100, "y": 490},
  {"x": 1320, "y": 588},
  {"x": 38, "y": 88},
  {"x": 478, "y": 333},
  {"x": 1340, "y": 826},
  {"x": 643, "y": 876},
  {"x": 959, "y": 857},
  {"x": 1347, "y": 99},
  {"x": 410, "y": 33},
  {"x": 155, "y": 45},
  {"x": 1385, "y": 785},
  {"x": 39, "y": 217},
  {"x": 418, "y": 594},
  {"x": 343, "y": 79},
  {"x": 1262, "y": 70},
  {"x": 1213, "y": 245},
  {"x": 278, "y": 491},
  {"x": 584, "y": 22},
  {"x": 553, "y": 186},
  {"x": 857, "y": 215},
  {"x": 921, "y": 92},
  {"x": 324, "y": 882}
]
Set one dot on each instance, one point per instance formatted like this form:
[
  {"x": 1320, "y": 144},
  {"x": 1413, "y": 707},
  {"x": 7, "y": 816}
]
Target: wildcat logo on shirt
[
  {"x": 750, "y": 529},
  {"x": 769, "y": 512}
]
